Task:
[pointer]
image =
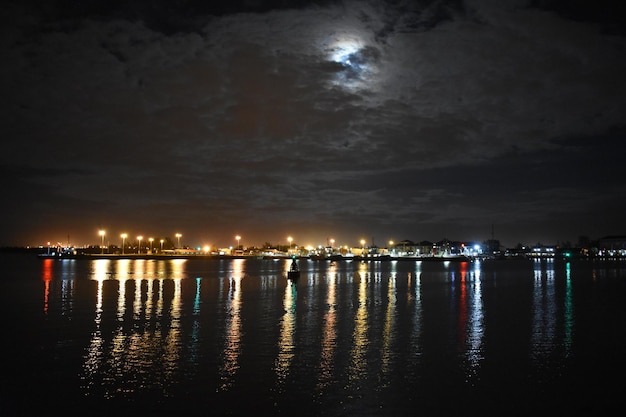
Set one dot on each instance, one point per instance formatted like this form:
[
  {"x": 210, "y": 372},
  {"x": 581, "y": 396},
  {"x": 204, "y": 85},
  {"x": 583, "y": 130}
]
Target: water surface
[{"x": 230, "y": 337}]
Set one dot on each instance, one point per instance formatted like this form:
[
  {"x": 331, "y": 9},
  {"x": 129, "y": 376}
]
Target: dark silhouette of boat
[{"x": 294, "y": 273}]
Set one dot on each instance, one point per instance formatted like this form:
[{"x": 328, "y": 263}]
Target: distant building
[
  {"x": 612, "y": 246},
  {"x": 542, "y": 251}
]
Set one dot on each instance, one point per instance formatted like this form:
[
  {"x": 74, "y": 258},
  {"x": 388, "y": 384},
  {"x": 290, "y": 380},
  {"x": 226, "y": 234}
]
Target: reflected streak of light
[
  {"x": 150, "y": 269},
  {"x": 462, "y": 317},
  {"x": 360, "y": 341},
  {"x": 122, "y": 268},
  {"x": 476, "y": 329},
  {"x": 389, "y": 329},
  {"x": 121, "y": 299},
  {"x": 286, "y": 343},
  {"x": 100, "y": 269},
  {"x": 121, "y": 367},
  {"x": 329, "y": 333},
  {"x": 149, "y": 298},
  {"x": 569, "y": 310},
  {"x": 543, "y": 325},
  {"x": 196, "y": 301},
  {"x": 178, "y": 268},
  {"x": 67, "y": 286},
  {"x": 172, "y": 340},
  {"x": 159, "y": 304},
  {"x": 195, "y": 331},
  {"x": 139, "y": 268},
  {"x": 137, "y": 304},
  {"x": 416, "y": 328},
  {"x": 93, "y": 358},
  {"x": 232, "y": 343},
  {"x": 46, "y": 276}
]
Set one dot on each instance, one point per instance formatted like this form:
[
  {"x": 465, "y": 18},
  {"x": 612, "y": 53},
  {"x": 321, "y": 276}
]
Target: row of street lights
[
  {"x": 124, "y": 236},
  {"x": 102, "y": 233}
]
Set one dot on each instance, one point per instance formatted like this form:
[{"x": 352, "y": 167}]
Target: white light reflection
[
  {"x": 471, "y": 318},
  {"x": 95, "y": 353},
  {"x": 143, "y": 354},
  {"x": 67, "y": 286},
  {"x": 137, "y": 304},
  {"x": 544, "y": 317},
  {"x": 232, "y": 342},
  {"x": 121, "y": 299},
  {"x": 360, "y": 341},
  {"x": 171, "y": 354},
  {"x": 195, "y": 331},
  {"x": 329, "y": 332},
  {"x": 286, "y": 343},
  {"x": 389, "y": 330},
  {"x": 415, "y": 297},
  {"x": 569, "y": 310}
]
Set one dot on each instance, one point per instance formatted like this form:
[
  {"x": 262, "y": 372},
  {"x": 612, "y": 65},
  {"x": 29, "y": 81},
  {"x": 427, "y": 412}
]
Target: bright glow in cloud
[
  {"x": 342, "y": 49},
  {"x": 356, "y": 61}
]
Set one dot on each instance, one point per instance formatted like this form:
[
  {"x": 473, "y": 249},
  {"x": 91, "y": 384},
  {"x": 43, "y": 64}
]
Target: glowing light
[
  {"x": 102, "y": 233},
  {"x": 341, "y": 50},
  {"x": 356, "y": 61}
]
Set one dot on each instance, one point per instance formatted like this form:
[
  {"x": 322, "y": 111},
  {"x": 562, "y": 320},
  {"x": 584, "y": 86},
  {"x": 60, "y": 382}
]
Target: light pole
[
  {"x": 124, "y": 236},
  {"x": 178, "y": 236},
  {"x": 238, "y": 239},
  {"x": 151, "y": 240},
  {"x": 102, "y": 233},
  {"x": 362, "y": 247},
  {"x": 139, "y": 238},
  {"x": 162, "y": 240},
  {"x": 289, "y": 239}
]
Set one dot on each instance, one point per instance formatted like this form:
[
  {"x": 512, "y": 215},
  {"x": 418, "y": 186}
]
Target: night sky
[{"x": 349, "y": 120}]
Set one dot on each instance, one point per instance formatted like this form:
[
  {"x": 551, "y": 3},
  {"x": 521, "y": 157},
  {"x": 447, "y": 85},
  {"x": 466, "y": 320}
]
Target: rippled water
[{"x": 231, "y": 337}]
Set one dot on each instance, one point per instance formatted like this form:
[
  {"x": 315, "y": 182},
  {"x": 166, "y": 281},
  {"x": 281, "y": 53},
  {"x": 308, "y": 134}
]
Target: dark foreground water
[{"x": 235, "y": 337}]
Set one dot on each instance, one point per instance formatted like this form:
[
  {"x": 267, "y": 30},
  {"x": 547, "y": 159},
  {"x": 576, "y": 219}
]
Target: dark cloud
[{"x": 391, "y": 119}]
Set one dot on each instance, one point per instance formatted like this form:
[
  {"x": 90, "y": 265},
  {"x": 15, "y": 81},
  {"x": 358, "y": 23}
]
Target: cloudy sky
[{"x": 349, "y": 120}]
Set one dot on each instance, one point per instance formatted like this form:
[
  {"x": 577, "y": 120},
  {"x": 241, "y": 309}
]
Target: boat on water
[
  {"x": 294, "y": 273},
  {"x": 57, "y": 252}
]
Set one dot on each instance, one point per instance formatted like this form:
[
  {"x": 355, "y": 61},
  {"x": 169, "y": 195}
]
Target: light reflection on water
[
  {"x": 471, "y": 326},
  {"x": 286, "y": 343},
  {"x": 358, "y": 362},
  {"x": 356, "y": 332},
  {"x": 232, "y": 334},
  {"x": 329, "y": 331}
]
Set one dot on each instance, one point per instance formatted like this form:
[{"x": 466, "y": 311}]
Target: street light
[
  {"x": 139, "y": 238},
  {"x": 289, "y": 239},
  {"x": 124, "y": 236},
  {"x": 151, "y": 239},
  {"x": 178, "y": 236},
  {"x": 238, "y": 239},
  {"x": 102, "y": 233},
  {"x": 362, "y": 247},
  {"x": 162, "y": 240}
]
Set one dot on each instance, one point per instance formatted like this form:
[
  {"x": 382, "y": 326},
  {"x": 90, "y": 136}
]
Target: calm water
[{"x": 231, "y": 337}]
